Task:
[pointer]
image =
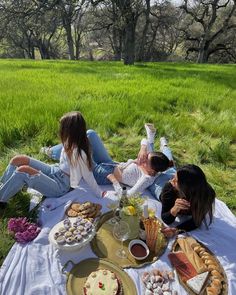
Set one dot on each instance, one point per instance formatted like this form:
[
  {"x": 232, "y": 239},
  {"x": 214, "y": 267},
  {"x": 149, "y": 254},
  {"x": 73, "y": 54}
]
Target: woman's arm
[
  {"x": 115, "y": 183},
  {"x": 167, "y": 197},
  {"x": 143, "y": 182}
]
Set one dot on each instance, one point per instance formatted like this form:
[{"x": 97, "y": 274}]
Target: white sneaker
[
  {"x": 163, "y": 141},
  {"x": 46, "y": 150},
  {"x": 151, "y": 132}
]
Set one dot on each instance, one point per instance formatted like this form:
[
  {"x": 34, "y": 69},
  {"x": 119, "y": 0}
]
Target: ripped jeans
[{"x": 51, "y": 181}]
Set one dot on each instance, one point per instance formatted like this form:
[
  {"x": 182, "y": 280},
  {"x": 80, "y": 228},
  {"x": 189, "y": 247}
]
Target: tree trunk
[
  {"x": 77, "y": 47},
  {"x": 117, "y": 41},
  {"x": 141, "y": 50},
  {"x": 203, "y": 52},
  {"x": 44, "y": 51},
  {"x": 129, "y": 42},
  {"x": 70, "y": 41},
  {"x": 91, "y": 58}
]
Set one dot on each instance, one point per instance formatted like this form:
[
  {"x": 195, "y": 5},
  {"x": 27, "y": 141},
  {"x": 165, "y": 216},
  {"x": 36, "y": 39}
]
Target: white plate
[{"x": 74, "y": 246}]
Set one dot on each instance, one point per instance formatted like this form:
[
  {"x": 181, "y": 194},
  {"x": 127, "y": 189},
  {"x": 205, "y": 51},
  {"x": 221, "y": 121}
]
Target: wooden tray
[
  {"x": 104, "y": 245},
  {"x": 224, "y": 290},
  {"x": 79, "y": 273}
]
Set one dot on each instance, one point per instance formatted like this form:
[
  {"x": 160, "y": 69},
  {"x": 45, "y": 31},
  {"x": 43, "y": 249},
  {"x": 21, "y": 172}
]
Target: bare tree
[
  {"x": 72, "y": 12},
  {"x": 207, "y": 21}
]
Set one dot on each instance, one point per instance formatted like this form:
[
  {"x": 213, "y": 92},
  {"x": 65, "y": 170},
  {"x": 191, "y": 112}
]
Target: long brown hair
[
  {"x": 73, "y": 135},
  {"x": 193, "y": 186}
]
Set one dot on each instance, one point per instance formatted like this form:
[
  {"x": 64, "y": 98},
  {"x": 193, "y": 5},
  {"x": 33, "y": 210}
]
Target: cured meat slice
[{"x": 182, "y": 265}]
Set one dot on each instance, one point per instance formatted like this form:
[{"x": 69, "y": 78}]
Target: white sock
[
  {"x": 151, "y": 132},
  {"x": 163, "y": 141}
]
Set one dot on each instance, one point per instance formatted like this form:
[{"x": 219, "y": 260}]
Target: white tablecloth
[{"x": 35, "y": 268}]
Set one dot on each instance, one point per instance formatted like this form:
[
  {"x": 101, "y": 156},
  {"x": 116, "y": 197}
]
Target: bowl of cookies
[{"x": 72, "y": 233}]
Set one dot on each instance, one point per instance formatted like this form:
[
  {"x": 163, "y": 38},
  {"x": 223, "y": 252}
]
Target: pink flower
[{"x": 22, "y": 230}]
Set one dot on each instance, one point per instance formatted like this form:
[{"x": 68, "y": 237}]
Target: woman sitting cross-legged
[
  {"x": 54, "y": 180},
  {"x": 187, "y": 196}
]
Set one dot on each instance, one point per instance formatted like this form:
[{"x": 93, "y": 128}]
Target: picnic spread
[{"x": 75, "y": 253}]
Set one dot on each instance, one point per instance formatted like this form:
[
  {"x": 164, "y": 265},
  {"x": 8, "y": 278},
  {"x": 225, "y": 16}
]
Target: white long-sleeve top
[
  {"x": 79, "y": 170},
  {"x": 132, "y": 175}
]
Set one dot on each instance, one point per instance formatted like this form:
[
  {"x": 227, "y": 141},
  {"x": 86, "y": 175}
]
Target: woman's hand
[
  {"x": 180, "y": 204},
  {"x": 169, "y": 232},
  {"x": 104, "y": 194}
]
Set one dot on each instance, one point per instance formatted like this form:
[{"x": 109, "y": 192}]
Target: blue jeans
[
  {"x": 51, "y": 181},
  {"x": 163, "y": 177},
  {"x": 102, "y": 162},
  {"x": 99, "y": 152}
]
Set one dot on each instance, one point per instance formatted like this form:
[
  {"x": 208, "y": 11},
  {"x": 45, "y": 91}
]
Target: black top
[{"x": 168, "y": 197}]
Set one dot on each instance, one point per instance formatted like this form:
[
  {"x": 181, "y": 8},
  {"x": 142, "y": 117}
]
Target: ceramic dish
[
  {"x": 142, "y": 247},
  {"x": 76, "y": 245}
]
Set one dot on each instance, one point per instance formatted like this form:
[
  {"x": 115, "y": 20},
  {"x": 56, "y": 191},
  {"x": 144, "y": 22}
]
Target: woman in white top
[
  {"x": 54, "y": 180},
  {"x": 137, "y": 176}
]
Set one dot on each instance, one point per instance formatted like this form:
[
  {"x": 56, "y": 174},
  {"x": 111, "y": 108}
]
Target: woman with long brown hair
[
  {"x": 54, "y": 180},
  {"x": 187, "y": 196}
]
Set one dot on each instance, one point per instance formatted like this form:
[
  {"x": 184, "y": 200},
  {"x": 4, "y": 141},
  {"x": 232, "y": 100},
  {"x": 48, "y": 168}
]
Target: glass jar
[{"x": 133, "y": 222}]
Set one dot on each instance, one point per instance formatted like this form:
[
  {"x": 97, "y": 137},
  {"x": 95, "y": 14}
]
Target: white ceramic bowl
[{"x": 135, "y": 242}]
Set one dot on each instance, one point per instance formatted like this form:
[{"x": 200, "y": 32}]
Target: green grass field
[{"x": 194, "y": 106}]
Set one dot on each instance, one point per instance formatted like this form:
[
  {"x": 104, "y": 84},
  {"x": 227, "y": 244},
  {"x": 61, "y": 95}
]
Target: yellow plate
[
  {"x": 104, "y": 245},
  {"x": 79, "y": 273}
]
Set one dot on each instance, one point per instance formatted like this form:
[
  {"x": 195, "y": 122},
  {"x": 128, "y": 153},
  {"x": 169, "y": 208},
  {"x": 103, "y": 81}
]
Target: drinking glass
[
  {"x": 121, "y": 232},
  {"x": 113, "y": 206}
]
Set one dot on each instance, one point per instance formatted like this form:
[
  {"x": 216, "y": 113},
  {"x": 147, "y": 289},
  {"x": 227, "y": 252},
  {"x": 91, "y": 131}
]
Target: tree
[
  {"x": 128, "y": 12},
  {"x": 157, "y": 31},
  {"x": 206, "y": 22},
  {"x": 72, "y": 12}
]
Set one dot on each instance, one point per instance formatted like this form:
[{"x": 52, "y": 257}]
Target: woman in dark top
[{"x": 188, "y": 193}]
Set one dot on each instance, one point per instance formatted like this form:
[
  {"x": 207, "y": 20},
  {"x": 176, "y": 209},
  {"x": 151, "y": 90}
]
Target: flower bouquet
[
  {"x": 22, "y": 230},
  {"x": 131, "y": 213}
]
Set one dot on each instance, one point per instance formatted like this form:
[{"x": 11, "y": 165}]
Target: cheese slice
[{"x": 196, "y": 283}]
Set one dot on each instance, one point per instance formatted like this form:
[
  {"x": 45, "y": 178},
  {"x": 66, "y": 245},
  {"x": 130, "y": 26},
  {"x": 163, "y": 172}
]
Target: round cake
[{"x": 104, "y": 282}]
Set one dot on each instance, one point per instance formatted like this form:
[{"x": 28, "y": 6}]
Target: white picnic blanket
[{"x": 35, "y": 268}]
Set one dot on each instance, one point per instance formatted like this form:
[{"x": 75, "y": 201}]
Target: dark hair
[
  {"x": 158, "y": 161},
  {"x": 73, "y": 135},
  {"x": 193, "y": 186}
]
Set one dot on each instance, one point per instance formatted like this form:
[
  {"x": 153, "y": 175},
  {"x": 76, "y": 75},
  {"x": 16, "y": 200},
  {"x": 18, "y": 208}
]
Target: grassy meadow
[{"x": 194, "y": 106}]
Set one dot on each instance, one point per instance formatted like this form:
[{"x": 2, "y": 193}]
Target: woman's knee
[
  {"x": 91, "y": 133},
  {"x": 27, "y": 169},
  {"x": 19, "y": 160}
]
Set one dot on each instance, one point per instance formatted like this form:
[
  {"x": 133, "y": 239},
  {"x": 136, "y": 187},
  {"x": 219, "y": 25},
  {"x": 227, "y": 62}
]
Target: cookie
[
  {"x": 72, "y": 213},
  {"x": 95, "y": 213},
  {"x": 76, "y": 207},
  {"x": 86, "y": 205}
]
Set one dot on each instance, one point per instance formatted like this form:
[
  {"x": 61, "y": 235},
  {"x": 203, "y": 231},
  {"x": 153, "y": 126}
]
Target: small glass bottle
[
  {"x": 123, "y": 199},
  {"x": 142, "y": 232}
]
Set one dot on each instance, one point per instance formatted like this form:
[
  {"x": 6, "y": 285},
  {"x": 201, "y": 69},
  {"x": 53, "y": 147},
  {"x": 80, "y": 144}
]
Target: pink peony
[{"x": 22, "y": 230}]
